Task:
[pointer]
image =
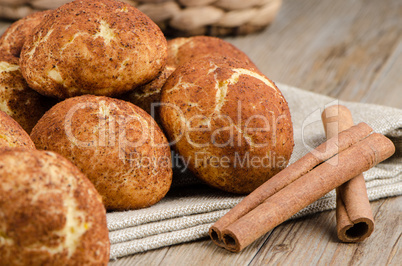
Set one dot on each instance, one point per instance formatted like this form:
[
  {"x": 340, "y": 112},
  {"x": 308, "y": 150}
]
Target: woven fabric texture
[{"x": 190, "y": 208}]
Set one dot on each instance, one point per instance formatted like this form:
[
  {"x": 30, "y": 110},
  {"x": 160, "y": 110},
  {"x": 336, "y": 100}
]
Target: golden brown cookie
[
  {"x": 181, "y": 50},
  {"x": 12, "y": 134},
  {"x": 50, "y": 213},
  {"x": 101, "y": 47},
  {"x": 13, "y": 39},
  {"x": 229, "y": 121},
  {"x": 116, "y": 144},
  {"x": 23, "y": 104}
]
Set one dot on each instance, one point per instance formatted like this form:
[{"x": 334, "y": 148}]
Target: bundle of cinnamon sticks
[{"x": 342, "y": 157}]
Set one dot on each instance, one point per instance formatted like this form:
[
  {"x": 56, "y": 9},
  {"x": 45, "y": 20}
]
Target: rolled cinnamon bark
[
  {"x": 306, "y": 189},
  {"x": 323, "y": 152},
  {"x": 354, "y": 217}
]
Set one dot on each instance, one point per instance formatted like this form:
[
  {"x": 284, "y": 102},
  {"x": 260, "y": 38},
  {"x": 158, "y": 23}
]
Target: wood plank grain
[
  {"x": 153, "y": 257},
  {"x": 202, "y": 252},
  {"x": 336, "y": 48},
  {"x": 208, "y": 253},
  {"x": 386, "y": 88}
]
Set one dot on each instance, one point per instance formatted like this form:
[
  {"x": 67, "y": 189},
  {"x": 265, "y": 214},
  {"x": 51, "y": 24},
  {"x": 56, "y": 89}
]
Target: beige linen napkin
[{"x": 190, "y": 208}]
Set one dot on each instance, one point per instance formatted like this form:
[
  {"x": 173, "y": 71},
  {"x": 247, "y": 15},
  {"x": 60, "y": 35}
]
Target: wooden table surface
[{"x": 348, "y": 49}]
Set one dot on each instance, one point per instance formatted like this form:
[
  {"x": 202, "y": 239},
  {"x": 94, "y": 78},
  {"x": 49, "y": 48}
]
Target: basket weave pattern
[{"x": 180, "y": 17}]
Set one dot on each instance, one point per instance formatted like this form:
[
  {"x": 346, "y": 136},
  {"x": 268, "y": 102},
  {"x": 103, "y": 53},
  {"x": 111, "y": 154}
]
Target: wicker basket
[{"x": 180, "y": 17}]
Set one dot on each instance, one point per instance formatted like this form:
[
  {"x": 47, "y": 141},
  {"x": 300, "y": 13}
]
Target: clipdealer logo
[
  {"x": 112, "y": 131},
  {"x": 236, "y": 130}
]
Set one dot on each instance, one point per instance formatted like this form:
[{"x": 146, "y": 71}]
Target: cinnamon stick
[
  {"x": 289, "y": 175},
  {"x": 354, "y": 217},
  {"x": 306, "y": 189}
]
